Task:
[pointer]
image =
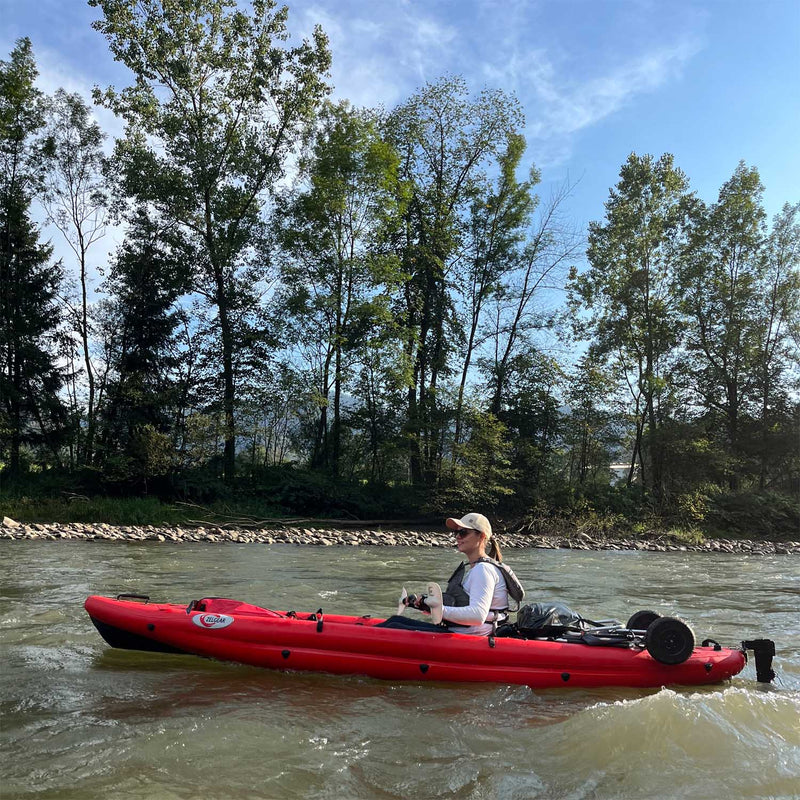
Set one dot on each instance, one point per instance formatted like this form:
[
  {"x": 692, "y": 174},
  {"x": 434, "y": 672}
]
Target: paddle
[{"x": 433, "y": 599}]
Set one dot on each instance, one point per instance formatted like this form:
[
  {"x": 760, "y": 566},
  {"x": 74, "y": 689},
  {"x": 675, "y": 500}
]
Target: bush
[
  {"x": 308, "y": 492},
  {"x": 113, "y": 511},
  {"x": 754, "y": 515}
]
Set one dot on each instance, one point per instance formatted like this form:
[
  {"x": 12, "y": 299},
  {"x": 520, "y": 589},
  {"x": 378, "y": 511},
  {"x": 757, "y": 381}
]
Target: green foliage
[
  {"x": 149, "y": 454},
  {"x": 631, "y": 291},
  {"x": 217, "y": 105},
  {"x": 694, "y": 505},
  {"x": 446, "y": 140},
  {"x": 313, "y": 493},
  {"x": 112, "y": 511},
  {"x": 590, "y": 430},
  {"x": 373, "y": 339},
  {"x": 755, "y": 515},
  {"x": 32, "y": 414},
  {"x": 141, "y": 381},
  {"x": 483, "y": 475},
  {"x": 337, "y": 272}
]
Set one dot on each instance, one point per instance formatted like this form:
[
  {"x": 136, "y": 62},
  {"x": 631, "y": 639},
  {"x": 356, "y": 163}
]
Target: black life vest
[{"x": 456, "y": 595}]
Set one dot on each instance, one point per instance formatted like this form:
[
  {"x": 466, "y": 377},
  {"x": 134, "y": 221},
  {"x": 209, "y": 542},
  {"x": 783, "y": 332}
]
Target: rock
[{"x": 11, "y": 529}]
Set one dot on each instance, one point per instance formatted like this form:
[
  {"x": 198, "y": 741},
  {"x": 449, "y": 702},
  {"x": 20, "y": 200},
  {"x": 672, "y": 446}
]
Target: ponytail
[{"x": 493, "y": 550}]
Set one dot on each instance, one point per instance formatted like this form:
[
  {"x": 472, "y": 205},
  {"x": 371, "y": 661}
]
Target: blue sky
[{"x": 711, "y": 82}]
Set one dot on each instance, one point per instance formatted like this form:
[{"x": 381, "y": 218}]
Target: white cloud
[
  {"x": 384, "y": 51},
  {"x": 559, "y": 105},
  {"x": 381, "y": 53},
  {"x": 602, "y": 96}
]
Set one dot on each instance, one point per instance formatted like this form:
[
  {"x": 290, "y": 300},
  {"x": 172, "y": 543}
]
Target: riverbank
[{"x": 330, "y": 537}]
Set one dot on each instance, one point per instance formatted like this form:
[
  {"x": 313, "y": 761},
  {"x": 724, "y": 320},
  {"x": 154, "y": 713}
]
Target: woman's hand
[{"x": 418, "y": 602}]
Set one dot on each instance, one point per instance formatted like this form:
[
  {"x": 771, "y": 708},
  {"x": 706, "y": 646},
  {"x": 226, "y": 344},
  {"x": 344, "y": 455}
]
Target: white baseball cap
[{"x": 473, "y": 521}]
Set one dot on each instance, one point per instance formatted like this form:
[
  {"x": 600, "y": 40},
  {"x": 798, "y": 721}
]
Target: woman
[{"x": 477, "y": 595}]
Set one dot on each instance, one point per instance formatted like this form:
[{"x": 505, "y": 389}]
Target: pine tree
[{"x": 31, "y": 412}]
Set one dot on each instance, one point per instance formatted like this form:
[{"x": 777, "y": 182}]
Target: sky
[{"x": 711, "y": 82}]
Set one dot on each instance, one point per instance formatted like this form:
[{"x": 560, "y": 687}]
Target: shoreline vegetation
[
  {"x": 326, "y": 534},
  {"x": 381, "y": 338}
]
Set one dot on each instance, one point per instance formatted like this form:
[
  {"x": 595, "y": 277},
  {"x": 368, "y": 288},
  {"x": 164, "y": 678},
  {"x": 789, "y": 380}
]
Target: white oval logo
[{"x": 212, "y": 620}]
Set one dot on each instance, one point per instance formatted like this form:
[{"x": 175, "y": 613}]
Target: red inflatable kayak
[{"x": 230, "y": 630}]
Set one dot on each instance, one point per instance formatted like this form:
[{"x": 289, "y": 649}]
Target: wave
[{"x": 732, "y": 743}]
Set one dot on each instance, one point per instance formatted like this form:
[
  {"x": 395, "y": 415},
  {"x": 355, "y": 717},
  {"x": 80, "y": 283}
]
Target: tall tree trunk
[
  {"x": 656, "y": 459},
  {"x": 337, "y": 368},
  {"x": 228, "y": 400},
  {"x": 637, "y": 452},
  {"x": 461, "y": 386},
  {"x": 733, "y": 431},
  {"x": 320, "y": 455},
  {"x": 88, "y": 453},
  {"x": 337, "y": 398},
  {"x": 762, "y": 471},
  {"x": 16, "y": 416}
]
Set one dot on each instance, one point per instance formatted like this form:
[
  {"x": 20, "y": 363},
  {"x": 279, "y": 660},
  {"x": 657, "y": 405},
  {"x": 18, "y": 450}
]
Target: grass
[
  {"x": 114, "y": 511},
  {"x": 773, "y": 518},
  {"x": 131, "y": 511}
]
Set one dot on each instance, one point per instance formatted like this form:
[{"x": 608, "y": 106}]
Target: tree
[
  {"x": 445, "y": 140},
  {"x": 518, "y": 311},
  {"x": 483, "y": 474},
  {"x": 75, "y": 200},
  {"x": 532, "y": 418},
  {"x": 147, "y": 278},
  {"x": 30, "y": 339},
  {"x": 337, "y": 275},
  {"x": 21, "y": 119},
  {"x": 777, "y": 330},
  {"x": 217, "y": 106},
  {"x": 590, "y": 433},
  {"x": 30, "y": 380},
  {"x": 630, "y": 291},
  {"x": 380, "y": 415},
  {"x": 720, "y": 277},
  {"x": 496, "y": 229}
]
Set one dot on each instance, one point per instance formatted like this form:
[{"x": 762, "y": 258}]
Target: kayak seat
[
  {"x": 222, "y": 605},
  {"x": 408, "y": 624}
]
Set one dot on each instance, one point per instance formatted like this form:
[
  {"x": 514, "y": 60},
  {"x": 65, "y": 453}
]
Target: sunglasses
[{"x": 462, "y": 533}]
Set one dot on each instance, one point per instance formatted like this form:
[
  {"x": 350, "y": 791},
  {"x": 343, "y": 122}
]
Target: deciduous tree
[
  {"x": 720, "y": 278},
  {"x": 75, "y": 200},
  {"x": 337, "y": 273},
  {"x": 218, "y": 104},
  {"x": 630, "y": 289},
  {"x": 446, "y": 140}
]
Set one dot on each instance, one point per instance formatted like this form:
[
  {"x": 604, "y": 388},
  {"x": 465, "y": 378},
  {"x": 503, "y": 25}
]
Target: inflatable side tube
[{"x": 125, "y": 640}]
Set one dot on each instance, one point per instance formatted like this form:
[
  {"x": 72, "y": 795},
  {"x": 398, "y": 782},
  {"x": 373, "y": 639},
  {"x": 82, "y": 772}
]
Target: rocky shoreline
[{"x": 331, "y": 537}]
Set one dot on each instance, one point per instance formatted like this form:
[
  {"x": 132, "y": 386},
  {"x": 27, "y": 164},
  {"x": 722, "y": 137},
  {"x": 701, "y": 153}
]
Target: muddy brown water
[{"x": 83, "y": 721}]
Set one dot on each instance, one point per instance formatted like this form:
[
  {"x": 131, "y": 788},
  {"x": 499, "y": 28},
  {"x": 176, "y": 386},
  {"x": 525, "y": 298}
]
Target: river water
[{"x": 82, "y": 721}]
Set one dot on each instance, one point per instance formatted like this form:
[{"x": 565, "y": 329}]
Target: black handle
[{"x": 144, "y": 597}]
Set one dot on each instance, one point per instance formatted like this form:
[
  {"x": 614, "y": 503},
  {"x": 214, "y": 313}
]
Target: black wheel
[
  {"x": 669, "y": 640},
  {"x": 641, "y": 620}
]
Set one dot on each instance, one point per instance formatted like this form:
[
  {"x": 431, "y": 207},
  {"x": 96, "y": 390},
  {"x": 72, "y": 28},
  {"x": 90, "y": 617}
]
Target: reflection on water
[{"x": 80, "y": 720}]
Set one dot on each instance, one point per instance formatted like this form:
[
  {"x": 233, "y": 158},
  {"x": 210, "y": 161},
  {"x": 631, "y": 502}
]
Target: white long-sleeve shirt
[{"x": 486, "y": 589}]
